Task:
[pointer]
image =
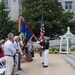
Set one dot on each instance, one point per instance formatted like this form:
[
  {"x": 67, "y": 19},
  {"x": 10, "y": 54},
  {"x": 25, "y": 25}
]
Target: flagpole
[
  {"x": 19, "y": 23},
  {"x": 35, "y": 37}
]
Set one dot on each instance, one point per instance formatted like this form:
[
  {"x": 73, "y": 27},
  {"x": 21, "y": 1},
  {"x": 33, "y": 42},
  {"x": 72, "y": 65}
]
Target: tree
[
  {"x": 15, "y": 28},
  {"x": 6, "y": 25},
  {"x": 55, "y": 19}
]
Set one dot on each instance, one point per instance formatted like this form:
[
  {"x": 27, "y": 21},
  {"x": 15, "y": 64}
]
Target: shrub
[
  {"x": 73, "y": 49},
  {"x": 71, "y": 52},
  {"x": 63, "y": 49},
  {"x": 54, "y": 50},
  {"x": 50, "y": 51}
]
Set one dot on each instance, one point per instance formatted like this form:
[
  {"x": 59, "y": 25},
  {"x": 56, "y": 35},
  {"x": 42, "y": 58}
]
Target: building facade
[
  {"x": 68, "y": 5},
  {"x": 14, "y": 7}
]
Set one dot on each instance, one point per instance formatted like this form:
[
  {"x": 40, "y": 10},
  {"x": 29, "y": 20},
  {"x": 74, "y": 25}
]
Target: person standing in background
[
  {"x": 9, "y": 52},
  {"x": 29, "y": 50},
  {"x": 1, "y": 53},
  {"x": 1, "y": 50},
  {"x": 3, "y": 41},
  {"x": 18, "y": 51},
  {"x": 32, "y": 52},
  {"x": 6, "y": 39}
]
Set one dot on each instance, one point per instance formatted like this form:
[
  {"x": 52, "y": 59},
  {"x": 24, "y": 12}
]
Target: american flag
[{"x": 42, "y": 30}]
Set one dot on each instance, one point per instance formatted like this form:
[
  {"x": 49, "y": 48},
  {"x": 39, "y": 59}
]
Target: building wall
[{"x": 14, "y": 8}]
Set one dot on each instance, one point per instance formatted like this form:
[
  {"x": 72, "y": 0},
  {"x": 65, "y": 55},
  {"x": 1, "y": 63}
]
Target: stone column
[
  {"x": 60, "y": 44},
  {"x": 67, "y": 49}
]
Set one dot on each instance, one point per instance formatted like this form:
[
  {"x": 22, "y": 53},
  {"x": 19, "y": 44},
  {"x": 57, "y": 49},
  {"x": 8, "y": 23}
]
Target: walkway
[{"x": 57, "y": 66}]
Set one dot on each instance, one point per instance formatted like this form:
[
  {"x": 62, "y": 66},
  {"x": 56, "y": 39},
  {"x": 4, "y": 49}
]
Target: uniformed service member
[{"x": 45, "y": 52}]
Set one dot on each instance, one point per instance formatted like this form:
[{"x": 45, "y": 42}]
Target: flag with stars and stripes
[{"x": 42, "y": 29}]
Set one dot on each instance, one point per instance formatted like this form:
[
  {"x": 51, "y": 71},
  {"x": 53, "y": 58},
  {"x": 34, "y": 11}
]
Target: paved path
[{"x": 57, "y": 66}]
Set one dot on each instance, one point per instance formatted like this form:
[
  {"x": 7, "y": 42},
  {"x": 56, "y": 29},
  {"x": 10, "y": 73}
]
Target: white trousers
[
  {"x": 45, "y": 57},
  {"x": 9, "y": 65}
]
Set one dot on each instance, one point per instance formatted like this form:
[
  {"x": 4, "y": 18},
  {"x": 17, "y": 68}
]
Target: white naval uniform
[
  {"x": 45, "y": 53},
  {"x": 45, "y": 57}
]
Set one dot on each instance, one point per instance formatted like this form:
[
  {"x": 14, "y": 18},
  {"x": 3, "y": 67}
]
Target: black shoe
[
  {"x": 30, "y": 60},
  {"x": 20, "y": 69},
  {"x": 42, "y": 62},
  {"x": 45, "y": 66}
]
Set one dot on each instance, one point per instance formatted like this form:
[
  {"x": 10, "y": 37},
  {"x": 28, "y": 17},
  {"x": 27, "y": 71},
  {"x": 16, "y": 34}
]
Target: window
[
  {"x": 68, "y": 5},
  {"x": 14, "y": 0},
  {"x": 19, "y": 11},
  {"x": 5, "y": 1}
]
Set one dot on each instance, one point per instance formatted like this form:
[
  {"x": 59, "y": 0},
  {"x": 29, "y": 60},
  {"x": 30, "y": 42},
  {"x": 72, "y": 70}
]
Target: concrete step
[
  {"x": 71, "y": 56},
  {"x": 70, "y": 59}
]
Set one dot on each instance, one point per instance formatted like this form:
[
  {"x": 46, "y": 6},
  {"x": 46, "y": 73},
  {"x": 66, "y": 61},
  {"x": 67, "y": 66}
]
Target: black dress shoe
[
  {"x": 45, "y": 66},
  {"x": 42, "y": 62},
  {"x": 30, "y": 60},
  {"x": 20, "y": 69}
]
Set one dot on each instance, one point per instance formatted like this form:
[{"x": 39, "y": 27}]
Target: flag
[
  {"x": 26, "y": 31},
  {"x": 42, "y": 29}
]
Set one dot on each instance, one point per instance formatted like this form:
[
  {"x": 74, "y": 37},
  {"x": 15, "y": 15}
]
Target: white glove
[{"x": 38, "y": 41}]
